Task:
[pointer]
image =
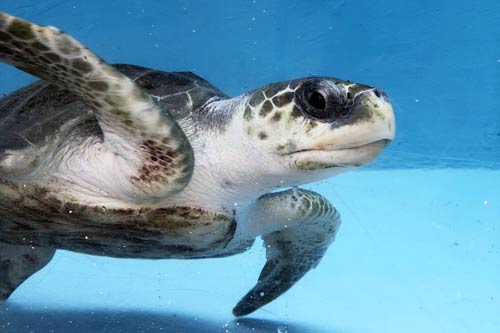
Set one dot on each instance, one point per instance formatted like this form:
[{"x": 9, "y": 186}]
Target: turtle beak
[{"x": 353, "y": 140}]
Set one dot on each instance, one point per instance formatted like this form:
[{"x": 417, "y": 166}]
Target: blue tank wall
[{"x": 439, "y": 61}]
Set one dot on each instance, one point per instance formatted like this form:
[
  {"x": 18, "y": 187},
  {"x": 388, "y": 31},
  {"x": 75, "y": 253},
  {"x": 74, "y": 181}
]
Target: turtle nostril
[{"x": 380, "y": 93}]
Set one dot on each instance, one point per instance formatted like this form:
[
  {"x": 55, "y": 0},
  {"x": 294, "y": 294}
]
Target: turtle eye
[
  {"x": 320, "y": 100},
  {"x": 316, "y": 100}
]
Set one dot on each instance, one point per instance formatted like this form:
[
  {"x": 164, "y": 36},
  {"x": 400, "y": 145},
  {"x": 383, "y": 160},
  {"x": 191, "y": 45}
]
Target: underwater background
[{"x": 419, "y": 246}]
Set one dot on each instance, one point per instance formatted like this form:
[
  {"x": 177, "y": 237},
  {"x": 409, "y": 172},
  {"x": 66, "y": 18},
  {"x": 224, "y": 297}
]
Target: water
[{"x": 418, "y": 250}]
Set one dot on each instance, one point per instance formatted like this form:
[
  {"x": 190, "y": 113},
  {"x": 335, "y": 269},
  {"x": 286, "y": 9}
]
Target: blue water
[{"x": 418, "y": 250}]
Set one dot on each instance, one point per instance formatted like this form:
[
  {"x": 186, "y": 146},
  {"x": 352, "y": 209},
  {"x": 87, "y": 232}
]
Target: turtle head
[{"x": 314, "y": 124}]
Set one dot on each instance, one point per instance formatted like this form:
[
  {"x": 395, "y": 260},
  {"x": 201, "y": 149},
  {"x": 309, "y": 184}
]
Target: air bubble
[{"x": 282, "y": 329}]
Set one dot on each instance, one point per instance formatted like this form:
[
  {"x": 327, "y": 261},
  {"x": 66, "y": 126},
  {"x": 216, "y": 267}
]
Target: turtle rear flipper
[
  {"x": 145, "y": 152},
  {"x": 18, "y": 263},
  {"x": 304, "y": 225}
]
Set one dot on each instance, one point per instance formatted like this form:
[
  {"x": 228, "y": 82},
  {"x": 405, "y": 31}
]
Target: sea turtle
[{"x": 127, "y": 161}]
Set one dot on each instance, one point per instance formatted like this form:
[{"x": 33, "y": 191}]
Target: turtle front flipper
[
  {"x": 18, "y": 263},
  {"x": 143, "y": 145},
  {"x": 303, "y": 224}
]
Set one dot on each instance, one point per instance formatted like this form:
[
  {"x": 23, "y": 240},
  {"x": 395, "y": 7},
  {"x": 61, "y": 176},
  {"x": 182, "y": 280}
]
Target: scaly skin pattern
[
  {"x": 119, "y": 177},
  {"x": 137, "y": 130},
  {"x": 304, "y": 225}
]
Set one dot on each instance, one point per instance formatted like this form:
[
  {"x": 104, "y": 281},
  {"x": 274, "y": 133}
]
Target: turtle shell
[{"x": 33, "y": 115}]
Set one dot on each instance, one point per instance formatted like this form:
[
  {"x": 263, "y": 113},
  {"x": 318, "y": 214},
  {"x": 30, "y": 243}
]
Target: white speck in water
[
  {"x": 331, "y": 28},
  {"x": 498, "y": 60},
  {"x": 194, "y": 30},
  {"x": 282, "y": 329},
  {"x": 253, "y": 59},
  {"x": 157, "y": 46},
  {"x": 485, "y": 202},
  {"x": 71, "y": 212},
  {"x": 74, "y": 7},
  {"x": 261, "y": 294},
  {"x": 282, "y": 181},
  {"x": 86, "y": 237},
  {"x": 417, "y": 100},
  {"x": 264, "y": 11},
  {"x": 236, "y": 204},
  {"x": 253, "y": 18}
]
